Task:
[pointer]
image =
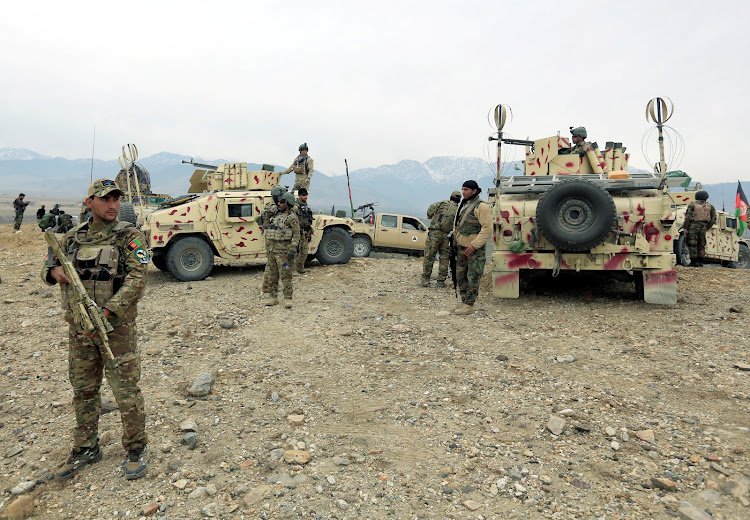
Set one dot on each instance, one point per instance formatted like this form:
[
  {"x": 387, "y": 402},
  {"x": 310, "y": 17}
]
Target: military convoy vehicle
[
  {"x": 581, "y": 212},
  {"x": 217, "y": 218},
  {"x": 387, "y": 232}
]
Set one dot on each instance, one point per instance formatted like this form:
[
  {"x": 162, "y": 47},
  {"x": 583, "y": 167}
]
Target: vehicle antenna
[
  {"x": 501, "y": 113},
  {"x": 351, "y": 204},
  {"x": 658, "y": 112},
  {"x": 93, "y": 145}
]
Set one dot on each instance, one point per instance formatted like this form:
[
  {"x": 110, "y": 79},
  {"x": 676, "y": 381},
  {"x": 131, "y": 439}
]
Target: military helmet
[
  {"x": 580, "y": 131},
  {"x": 456, "y": 196},
  {"x": 303, "y": 146},
  {"x": 288, "y": 198},
  {"x": 278, "y": 191},
  {"x": 701, "y": 195}
]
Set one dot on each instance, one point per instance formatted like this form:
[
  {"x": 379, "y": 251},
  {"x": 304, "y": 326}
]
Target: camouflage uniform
[
  {"x": 20, "y": 206},
  {"x": 305, "y": 217},
  {"x": 437, "y": 239},
  {"x": 112, "y": 264},
  {"x": 66, "y": 223},
  {"x": 47, "y": 221},
  {"x": 263, "y": 220},
  {"x": 579, "y": 148},
  {"x": 302, "y": 167},
  {"x": 699, "y": 218},
  {"x": 473, "y": 226},
  {"x": 282, "y": 237}
]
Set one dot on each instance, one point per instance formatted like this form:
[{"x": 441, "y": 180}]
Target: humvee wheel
[
  {"x": 335, "y": 247},
  {"x": 576, "y": 215},
  {"x": 190, "y": 259},
  {"x": 362, "y": 247},
  {"x": 159, "y": 261},
  {"x": 681, "y": 251},
  {"x": 127, "y": 213},
  {"x": 743, "y": 258}
]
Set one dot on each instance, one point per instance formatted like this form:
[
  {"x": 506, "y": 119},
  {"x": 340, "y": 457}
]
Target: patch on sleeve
[
  {"x": 134, "y": 244},
  {"x": 142, "y": 255}
]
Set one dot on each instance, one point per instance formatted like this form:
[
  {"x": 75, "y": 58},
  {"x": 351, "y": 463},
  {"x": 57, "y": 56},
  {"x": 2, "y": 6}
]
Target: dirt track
[{"x": 409, "y": 412}]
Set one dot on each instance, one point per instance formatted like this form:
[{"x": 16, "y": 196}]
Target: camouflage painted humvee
[
  {"x": 218, "y": 217},
  {"x": 571, "y": 212}
]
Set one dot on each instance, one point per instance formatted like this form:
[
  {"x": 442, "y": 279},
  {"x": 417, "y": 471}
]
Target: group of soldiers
[{"x": 56, "y": 218}]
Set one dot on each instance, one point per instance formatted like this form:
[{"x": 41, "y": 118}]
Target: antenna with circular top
[
  {"x": 659, "y": 112},
  {"x": 500, "y": 116}
]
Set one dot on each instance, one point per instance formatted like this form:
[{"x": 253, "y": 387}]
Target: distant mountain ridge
[{"x": 405, "y": 187}]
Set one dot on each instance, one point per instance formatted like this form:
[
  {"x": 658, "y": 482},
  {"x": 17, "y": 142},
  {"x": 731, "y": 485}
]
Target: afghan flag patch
[{"x": 134, "y": 244}]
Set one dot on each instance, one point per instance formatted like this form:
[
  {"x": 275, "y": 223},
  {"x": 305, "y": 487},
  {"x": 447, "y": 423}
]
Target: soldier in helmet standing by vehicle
[
  {"x": 472, "y": 228},
  {"x": 578, "y": 140},
  {"x": 263, "y": 220},
  {"x": 699, "y": 218},
  {"x": 442, "y": 215},
  {"x": 305, "y": 217},
  {"x": 302, "y": 167},
  {"x": 282, "y": 239},
  {"x": 112, "y": 261}
]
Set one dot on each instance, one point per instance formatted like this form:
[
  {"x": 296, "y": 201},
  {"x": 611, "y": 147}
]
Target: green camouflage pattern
[
  {"x": 442, "y": 215},
  {"x": 304, "y": 247},
  {"x": 279, "y": 267},
  {"x": 85, "y": 369},
  {"x": 437, "y": 243},
  {"x": 469, "y": 270},
  {"x": 20, "y": 206},
  {"x": 696, "y": 239},
  {"x": 86, "y": 365},
  {"x": 66, "y": 223},
  {"x": 47, "y": 221}
]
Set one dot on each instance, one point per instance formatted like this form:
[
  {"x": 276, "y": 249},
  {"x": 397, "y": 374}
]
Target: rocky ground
[{"x": 370, "y": 400}]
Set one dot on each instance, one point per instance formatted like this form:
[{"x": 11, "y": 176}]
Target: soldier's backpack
[
  {"x": 47, "y": 221},
  {"x": 447, "y": 216}
]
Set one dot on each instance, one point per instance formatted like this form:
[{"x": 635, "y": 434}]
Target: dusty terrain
[
  {"x": 7, "y": 213},
  {"x": 404, "y": 410}
]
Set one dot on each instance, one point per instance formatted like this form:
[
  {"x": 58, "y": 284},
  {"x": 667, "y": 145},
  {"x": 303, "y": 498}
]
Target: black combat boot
[
  {"x": 79, "y": 458},
  {"x": 699, "y": 262},
  {"x": 135, "y": 464}
]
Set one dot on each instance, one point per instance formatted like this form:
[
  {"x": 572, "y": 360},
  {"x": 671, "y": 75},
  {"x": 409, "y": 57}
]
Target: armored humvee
[
  {"x": 217, "y": 218},
  {"x": 582, "y": 212}
]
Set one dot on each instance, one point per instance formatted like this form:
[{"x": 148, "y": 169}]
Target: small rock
[
  {"x": 610, "y": 431},
  {"x": 646, "y": 435},
  {"x": 189, "y": 425},
  {"x": 274, "y": 397},
  {"x": 108, "y": 406},
  {"x": 180, "y": 484},
  {"x": 736, "y": 308},
  {"x": 257, "y": 494},
  {"x": 286, "y": 480},
  {"x": 614, "y": 445},
  {"x": 13, "y": 451},
  {"x": 226, "y": 324},
  {"x": 22, "y": 507},
  {"x": 190, "y": 439},
  {"x": 501, "y": 357},
  {"x": 709, "y": 495},
  {"x": 295, "y": 419},
  {"x": 342, "y": 504},
  {"x": 518, "y": 487},
  {"x": 692, "y": 513},
  {"x": 166, "y": 447},
  {"x": 664, "y": 483},
  {"x": 340, "y": 461},
  {"x": 580, "y": 484},
  {"x": 734, "y": 488},
  {"x": 341, "y": 331},
  {"x": 721, "y": 469},
  {"x": 211, "y": 490},
  {"x": 202, "y": 385},
  {"x": 296, "y": 457},
  {"x": 23, "y": 487},
  {"x": 556, "y": 424},
  {"x": 471, "y": 505},
  {"x": 198, "y": 492},
  {"x": 150, "y": 509},
  {"x": 209, "y": 509},
  {"x": 742, "y": 366},
  {"x": 565, "y": 358}
]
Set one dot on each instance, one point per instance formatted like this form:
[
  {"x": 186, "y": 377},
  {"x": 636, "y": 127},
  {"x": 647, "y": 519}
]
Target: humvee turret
[
  {"x": 581, "y": 212},
  {"x": 217, "y": 218}
]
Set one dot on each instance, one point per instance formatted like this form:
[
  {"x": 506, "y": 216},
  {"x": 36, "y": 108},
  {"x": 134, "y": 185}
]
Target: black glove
[{"x": 290, "y": 255}]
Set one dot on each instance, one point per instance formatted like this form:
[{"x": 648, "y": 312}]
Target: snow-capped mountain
[{"x": 19, "y": 154}]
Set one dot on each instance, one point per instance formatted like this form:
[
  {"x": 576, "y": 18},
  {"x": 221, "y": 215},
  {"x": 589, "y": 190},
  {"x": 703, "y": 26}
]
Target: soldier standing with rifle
[
  {"x": 263, "y": 220},
  {"x": 101, "y": 268},
  {"x": 305, "y": 217},
  {"x": 442, "y": 214},
  {"x": 472, "y": 228},
  {"x": 282, "y": 240},
  {"x": 302, "y": 167},
  {"x": 20, "y": 206}
]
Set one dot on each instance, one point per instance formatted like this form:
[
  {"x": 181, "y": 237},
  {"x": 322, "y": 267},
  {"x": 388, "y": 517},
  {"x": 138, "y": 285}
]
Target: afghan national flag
[
  {"x": 516, "y": 167},
  {"x": 741, "y": 211}
]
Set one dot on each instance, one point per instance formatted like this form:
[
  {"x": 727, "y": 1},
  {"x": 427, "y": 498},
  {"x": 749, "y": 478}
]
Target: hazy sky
[{"x": 373, "y": 82}]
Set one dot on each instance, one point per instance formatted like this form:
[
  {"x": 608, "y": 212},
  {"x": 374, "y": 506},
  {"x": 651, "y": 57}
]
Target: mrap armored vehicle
[
  {"x": 581, "y": 211},
  {"x": 218, "y": 218}
]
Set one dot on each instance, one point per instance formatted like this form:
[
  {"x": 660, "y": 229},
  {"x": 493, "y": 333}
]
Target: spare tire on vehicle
[
  {"x": 576, "y": 215},
  {"x": 127, "y": 213}
]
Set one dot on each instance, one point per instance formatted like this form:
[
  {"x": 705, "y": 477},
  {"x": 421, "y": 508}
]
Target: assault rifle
[
  {"x": 86, "y": 313},
  {"x": 452, "y": 254}
]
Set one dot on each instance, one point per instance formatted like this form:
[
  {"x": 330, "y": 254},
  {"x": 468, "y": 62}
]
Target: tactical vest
[
  {"x": 277, "y": 228},
  {"x": 304, "y": 214},
  {"x": 470, "y": 225},
  {"x": 300, "y": 165},
  {"x": 98, "y": 265},
  {"x": 702, "y": 211},
  {"x": 268, "y": 212},
  {"x": 444, "y": 216}
]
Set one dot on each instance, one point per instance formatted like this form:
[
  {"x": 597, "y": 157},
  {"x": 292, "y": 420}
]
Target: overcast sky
[{"x": 373, "y": 82}]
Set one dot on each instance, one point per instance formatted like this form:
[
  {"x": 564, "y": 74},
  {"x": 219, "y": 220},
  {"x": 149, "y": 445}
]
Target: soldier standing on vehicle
[
  {"x": 263, "y": 220},
  {"x": 305, "y": 217},
  {"x": 282, "y": 239},
  {"x": 699, "y": 218},
  {"x": 578, "y": 138},
  {"x": 302, "y": 167},
  {"x": 111, "y": 260},
  {"x": 40, "y": 213},
  {"x": 20, "y": 206},
  {"x": 472, "y": 229},
  {"x": 442, "y": 215}
]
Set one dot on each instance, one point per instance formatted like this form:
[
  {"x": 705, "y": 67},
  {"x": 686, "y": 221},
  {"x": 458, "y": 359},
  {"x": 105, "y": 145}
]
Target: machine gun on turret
[{"x": 210, "y": 167}]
